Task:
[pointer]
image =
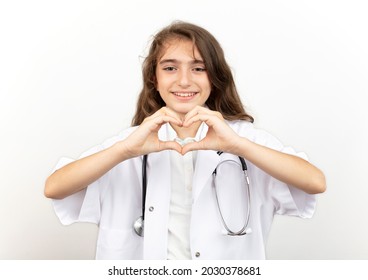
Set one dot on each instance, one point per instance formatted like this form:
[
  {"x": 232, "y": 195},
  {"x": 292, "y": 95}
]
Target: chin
[{"x": 182, "y": 109}]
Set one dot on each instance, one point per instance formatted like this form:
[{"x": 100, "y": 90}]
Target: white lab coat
[{"x": 114, "y": 202}]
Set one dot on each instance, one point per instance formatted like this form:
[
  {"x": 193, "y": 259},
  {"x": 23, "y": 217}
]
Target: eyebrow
[{"x": 175, "y": 61}]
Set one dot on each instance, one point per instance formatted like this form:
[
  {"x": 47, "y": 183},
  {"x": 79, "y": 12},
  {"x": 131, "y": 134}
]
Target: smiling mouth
[{"x": 184, "y": 94}]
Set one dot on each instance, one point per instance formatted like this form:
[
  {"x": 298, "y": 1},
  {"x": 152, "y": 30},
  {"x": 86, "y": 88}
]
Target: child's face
[{"x": 182, "y": 79}]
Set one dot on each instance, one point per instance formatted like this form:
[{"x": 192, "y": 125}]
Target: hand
[
  {"x": 144, "y": 139},
  {"x": 220, "y": 137}
]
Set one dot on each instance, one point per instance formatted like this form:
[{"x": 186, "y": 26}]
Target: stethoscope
[{"x": 139, "y": 223}]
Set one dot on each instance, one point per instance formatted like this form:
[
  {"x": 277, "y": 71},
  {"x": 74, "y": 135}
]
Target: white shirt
[
  {"x": 113, "y": 202},
  {"x": 182, "y": 170}
]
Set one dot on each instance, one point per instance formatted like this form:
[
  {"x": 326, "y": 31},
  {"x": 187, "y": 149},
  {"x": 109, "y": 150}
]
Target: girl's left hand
[{"x": 220, "y": 137}]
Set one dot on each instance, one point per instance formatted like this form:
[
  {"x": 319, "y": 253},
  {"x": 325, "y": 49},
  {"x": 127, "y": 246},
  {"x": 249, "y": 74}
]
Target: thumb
[
  {"x": 170, "y": 145},
  {"x": 193, "y": 146}
]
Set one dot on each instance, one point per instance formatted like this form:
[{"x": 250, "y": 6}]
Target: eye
[
  {"x": 169, "y": 68},
  {"x": 199, "y": 69}
]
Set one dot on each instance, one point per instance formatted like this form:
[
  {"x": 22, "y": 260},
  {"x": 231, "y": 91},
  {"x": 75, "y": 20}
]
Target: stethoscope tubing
[
  {"x": 139, "y": 223},
  {"x": 144, "y": 184},
  {"x": 242, "y": 231}
]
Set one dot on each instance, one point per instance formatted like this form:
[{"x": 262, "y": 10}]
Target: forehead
[{"x": 176, "y": 48}]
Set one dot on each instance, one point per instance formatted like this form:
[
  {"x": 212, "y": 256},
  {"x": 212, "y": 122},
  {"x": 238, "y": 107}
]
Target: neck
[{"x": 184, "y": 132}]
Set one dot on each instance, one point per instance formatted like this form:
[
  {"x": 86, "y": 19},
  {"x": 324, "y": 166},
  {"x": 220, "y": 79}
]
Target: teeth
[{"x": 184, "y": 94}]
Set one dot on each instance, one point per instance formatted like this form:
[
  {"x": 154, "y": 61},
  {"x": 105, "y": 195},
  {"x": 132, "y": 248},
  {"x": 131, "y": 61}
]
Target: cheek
[
  {"x": 209, "y": 89},
  {"x": 159, "y": 82},
  {"x": 207, "y": 85}
]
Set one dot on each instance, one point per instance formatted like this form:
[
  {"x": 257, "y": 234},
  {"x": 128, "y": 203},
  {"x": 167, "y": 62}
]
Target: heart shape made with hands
[{"x": 190, "y": 123}]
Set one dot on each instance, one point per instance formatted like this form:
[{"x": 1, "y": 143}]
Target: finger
[
  {"x": 195, "y": 111},
  {"x": 193, "y": 146},
  {"x": 164, "y": 111},
  {"x": 201, "y": 110},
  {"x": 208, "y": 119},
  {"x": 153, "y": 124},
  {"x": 160, "y": 120},
  {"x": 170, "y": 145},
  {"x": 169, "y": 112}
]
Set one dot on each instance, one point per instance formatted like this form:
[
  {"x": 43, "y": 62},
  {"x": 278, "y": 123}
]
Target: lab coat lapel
[
  {"x": 157, "y": 203},
  {"x": 207, "y": 161}
]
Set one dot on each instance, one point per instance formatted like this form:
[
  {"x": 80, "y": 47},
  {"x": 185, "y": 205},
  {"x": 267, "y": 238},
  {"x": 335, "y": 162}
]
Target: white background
[{"x": 70, "y": 72}]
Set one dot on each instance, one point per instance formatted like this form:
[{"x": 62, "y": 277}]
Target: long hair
[{"x": 223, "y": 98}]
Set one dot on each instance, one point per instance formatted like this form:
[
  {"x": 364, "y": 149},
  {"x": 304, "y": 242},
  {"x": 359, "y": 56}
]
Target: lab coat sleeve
[
  {"x": 85, "y": 205},
  {"x": 290, "y": 200},
  {"x": 287, "y": 200},
  {"x": 82, "y": 206}
]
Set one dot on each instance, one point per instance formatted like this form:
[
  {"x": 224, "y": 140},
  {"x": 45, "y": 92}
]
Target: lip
[{"x": 184, "y": 95}]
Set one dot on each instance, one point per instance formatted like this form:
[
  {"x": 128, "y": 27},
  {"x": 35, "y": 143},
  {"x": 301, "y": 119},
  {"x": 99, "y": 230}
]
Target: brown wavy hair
[{"x": 224, "y": 97}]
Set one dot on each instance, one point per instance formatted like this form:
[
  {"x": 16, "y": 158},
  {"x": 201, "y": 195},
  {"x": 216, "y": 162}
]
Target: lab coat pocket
[{"x": 117, "y": 244}]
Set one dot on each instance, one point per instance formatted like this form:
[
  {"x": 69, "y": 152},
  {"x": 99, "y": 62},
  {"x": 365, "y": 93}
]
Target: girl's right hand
[
  {"x": 144, "y": 139},
  {"x": 78, "y": 174}
]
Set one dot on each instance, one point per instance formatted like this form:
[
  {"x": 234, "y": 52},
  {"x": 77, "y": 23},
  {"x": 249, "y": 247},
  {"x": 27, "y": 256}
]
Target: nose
[{"x": 184, "y": 78}]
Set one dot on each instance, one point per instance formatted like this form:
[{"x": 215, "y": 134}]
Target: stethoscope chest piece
[{"x": 139, "y": 226}]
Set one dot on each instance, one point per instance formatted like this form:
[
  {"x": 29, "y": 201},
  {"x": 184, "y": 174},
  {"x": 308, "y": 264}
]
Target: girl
[{"x": 191, "y": 192}]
